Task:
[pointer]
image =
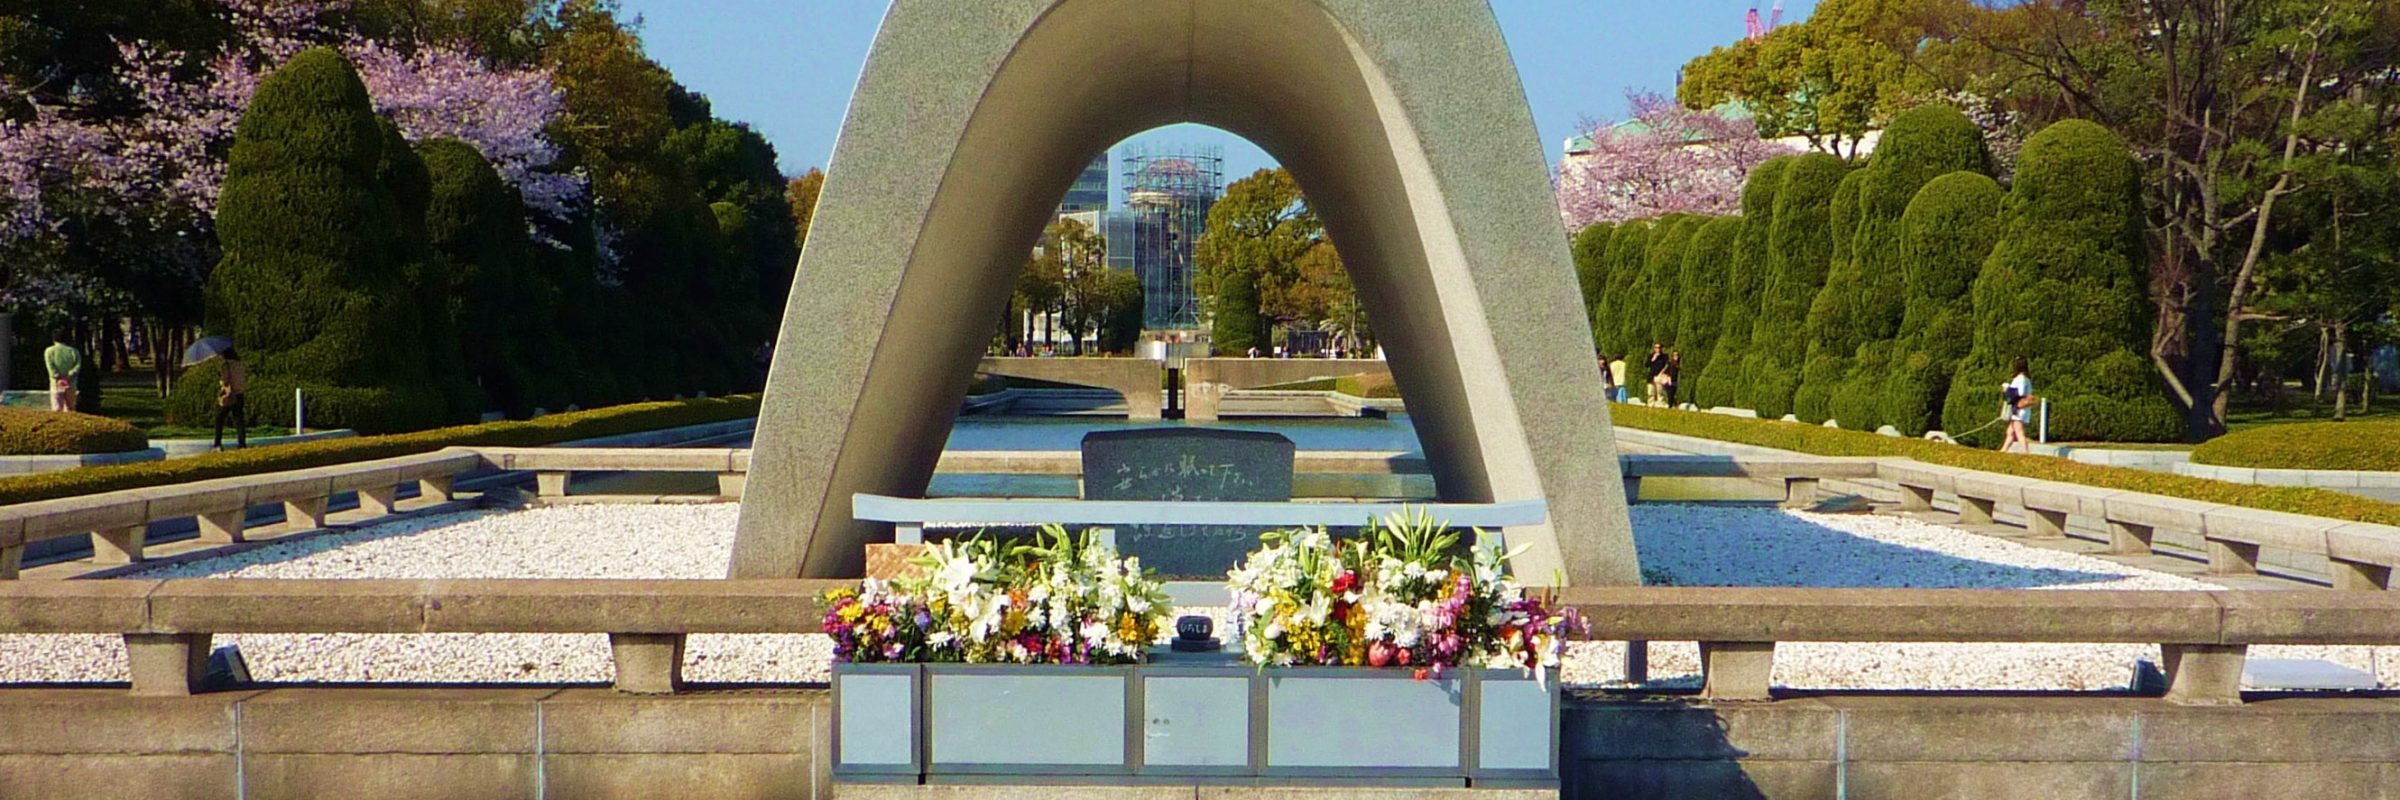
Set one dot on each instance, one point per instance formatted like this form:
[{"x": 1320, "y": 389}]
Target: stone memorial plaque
[{"x": 1187, "y": 464}]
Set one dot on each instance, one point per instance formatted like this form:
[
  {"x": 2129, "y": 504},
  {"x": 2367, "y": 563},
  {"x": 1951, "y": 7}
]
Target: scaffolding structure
[{"x": 1167, "y": 195}]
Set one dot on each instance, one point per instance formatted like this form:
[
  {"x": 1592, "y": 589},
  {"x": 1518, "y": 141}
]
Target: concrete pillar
[
  {"x": 729, "y": 484},
  {"x": 1200, "y": 399},
  {"x": 167, "y": 664},
  {"x": 1916, "y": 498},
  {"x": 1633, "y": 489},
  {"x": 379, "y": 500},
  {"x": 1145, "y": 405},
  {"x": 222, "y": 527},
  {"x": 2232, "y": 558},
  {"x": 1799, "y": 492},
  {"x": 2204, "y": 675},
  {"x": 10, "y": 557},
  {"x": 2128, "y": 539},
  {"x": 1637, "y": 661},
  {"x": 551, "y": 484},
  {"x": 2357, "y": 576},
  {"x": 648, "y": 663},
  {"x": 120, "y": 546},
  {"x": 2046, "y": 524},
  {"x": 304, "y": 514},
  {"x": 1974, "y": 511},
  {"x": 1736, "y": 670},
  {"x": 436, "y": 488}
]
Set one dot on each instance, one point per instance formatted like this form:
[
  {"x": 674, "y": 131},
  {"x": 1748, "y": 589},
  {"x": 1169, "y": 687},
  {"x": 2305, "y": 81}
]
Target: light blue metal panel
[
  {"x": 1000, "y": 718},
  {"x": 1196, "y": 722},
  {"x": 1362, "y": 722},
  {"x": 878, "y": 724},
  {"x": 1516, "y": 725}
]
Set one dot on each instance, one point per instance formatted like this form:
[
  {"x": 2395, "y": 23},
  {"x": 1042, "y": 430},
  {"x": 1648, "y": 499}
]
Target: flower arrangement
[
  {"x": 1062, "y": 600},
  {"x": 1400, "y": 595}
]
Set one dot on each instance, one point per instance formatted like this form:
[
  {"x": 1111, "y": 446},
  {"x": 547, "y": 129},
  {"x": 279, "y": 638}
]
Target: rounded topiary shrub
[
  {"x": 1628, "y": 249},
  {"x": 314, "y": 286},
  {"x": 2066, "y": 286},
  {"x": 1946, "y": 233},
  {"x": 1591, "y": 264},
  {"x": 1830, "y": 346},
  {"x": 40, "y": 432},
  {"x": 1721, "y": 384},
  {"x": 507, "y": 312},
  {"x": 1859, "y": 311},
  {"x": 1799, "y": 247},
  {"x": 1700, "y": 303}
]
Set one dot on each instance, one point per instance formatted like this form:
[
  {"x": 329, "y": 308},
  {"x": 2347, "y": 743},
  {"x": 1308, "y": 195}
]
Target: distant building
[
  {"x": 1167, "y": 196},
  {"x": 1090, "y": 192}
]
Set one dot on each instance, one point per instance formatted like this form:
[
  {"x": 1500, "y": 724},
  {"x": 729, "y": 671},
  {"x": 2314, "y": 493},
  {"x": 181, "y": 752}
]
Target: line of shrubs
[
  {"x": 2368, "y": 446},
  {"x": 40, "y": 432},
  {"x": 1819, "y": 440},
  {"x": 551, "y": 429}
]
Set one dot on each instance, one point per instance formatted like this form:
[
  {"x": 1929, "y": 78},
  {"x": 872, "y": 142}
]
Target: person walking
[
  {"x": 1608, "y": 383},
  {"x": 1616, "y": 376},
  {"x": 1672, "y": 376},
  {"x": 2017, "y": 405},
  {"x": 233, "y": 380},
  {"x": 1658, "y": 372},
  {"x": 65, "y": 365}
]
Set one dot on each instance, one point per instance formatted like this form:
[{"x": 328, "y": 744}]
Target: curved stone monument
[{"x": 1404, "y": 122}]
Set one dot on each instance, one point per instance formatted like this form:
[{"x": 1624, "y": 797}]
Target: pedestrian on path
[
  {"x": 2017, "y": 402},
  {"x": 64, "y": 365},
  {"x": 1608, "y": 382},
  {"x": 1616, "y": 376},
  {"x": 233, "y": 381},
  {"x": 1672, "y": 375},
  {"x": 1658, "y": 373}
]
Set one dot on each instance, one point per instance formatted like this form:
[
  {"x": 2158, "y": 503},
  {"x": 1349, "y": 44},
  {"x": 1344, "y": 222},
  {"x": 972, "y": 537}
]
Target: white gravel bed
[{"x": 1685, "y": 544}]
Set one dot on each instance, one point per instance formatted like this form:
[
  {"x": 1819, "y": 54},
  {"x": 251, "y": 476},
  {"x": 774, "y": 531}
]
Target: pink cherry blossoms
[{"x": 1665, "y": 159}]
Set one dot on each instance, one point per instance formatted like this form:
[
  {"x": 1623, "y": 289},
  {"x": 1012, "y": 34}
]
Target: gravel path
[{"x": 1685, "y": 544}]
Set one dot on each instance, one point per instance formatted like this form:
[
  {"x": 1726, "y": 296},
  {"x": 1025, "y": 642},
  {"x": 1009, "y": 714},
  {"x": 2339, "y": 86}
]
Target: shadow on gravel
[{"x": 1772, "y": 548}]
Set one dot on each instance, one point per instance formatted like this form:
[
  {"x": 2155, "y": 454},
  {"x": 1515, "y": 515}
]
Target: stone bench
[
  {"x": 2205, "y": 636},
  {"x": 554, "y": 467},
  {"x": 1801, "y": 476},
  {"x": 118, "y": 522}
]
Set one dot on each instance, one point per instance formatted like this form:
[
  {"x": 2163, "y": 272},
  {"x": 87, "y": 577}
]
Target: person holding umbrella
[{"x": 233, "y": 380}]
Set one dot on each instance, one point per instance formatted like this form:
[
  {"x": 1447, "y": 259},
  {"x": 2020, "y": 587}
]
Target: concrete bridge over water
[{"x": 1206, "y": 381}]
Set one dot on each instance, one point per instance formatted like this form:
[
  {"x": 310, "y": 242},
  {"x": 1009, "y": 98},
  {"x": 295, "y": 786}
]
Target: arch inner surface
[{"x": 1408, "y": 129}]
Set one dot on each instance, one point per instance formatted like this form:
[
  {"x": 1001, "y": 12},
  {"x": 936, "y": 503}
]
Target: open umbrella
[{"x": 206, "y": 349}]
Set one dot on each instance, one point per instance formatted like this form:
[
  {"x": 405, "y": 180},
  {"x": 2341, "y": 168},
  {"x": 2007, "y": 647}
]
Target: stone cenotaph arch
[{"x": 1404, "y": 121}]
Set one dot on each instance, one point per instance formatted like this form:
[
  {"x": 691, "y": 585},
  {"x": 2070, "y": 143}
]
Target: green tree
[
  {"x": 1702, "y": 299},
  {"x": 1651, "y": 314},
  {"x": 1255, "y": 235},
  {"x": 507, "y": 317},
  {"x": 2066, "y": 288},
  {"x": 1628, "y": 253},
  {"x": 313, "y": 284},
  {"x": 1799, "y": 249},
  {"x": 1722, "y": 384},
  {"x": 1590, "y": 250},
  {"x": 1946, "y": 234},
  {"x": 1830, "y": 80},
  {"x": 1820, "y": 371},
  {"x": 1084, "y": 291}
]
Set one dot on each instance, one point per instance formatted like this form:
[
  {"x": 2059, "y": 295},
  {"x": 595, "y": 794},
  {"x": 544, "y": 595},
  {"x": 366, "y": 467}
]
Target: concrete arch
[{"x": 1406, "y": 125}]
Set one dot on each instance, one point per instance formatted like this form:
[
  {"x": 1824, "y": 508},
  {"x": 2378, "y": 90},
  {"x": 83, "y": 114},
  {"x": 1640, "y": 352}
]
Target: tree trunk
[
  {"x": 2341, "y": 372},
  {"x": 2324, "y": 361}
]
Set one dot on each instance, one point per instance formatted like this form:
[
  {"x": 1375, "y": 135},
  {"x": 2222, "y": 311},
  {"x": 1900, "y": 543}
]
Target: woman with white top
[{"x": 2017, "y": 406}]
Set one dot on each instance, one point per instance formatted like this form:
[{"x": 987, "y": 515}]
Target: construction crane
[{"x": 1759, "y": 31}]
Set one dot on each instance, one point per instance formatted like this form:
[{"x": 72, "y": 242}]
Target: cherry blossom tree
[{"x": 1665, "y": 159}]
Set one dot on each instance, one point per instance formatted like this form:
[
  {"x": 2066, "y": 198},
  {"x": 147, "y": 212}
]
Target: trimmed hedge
[
  {"x": 1371, "y": 385},
  {"x": 1831, "y": 340},
  {"x": 507, "y": 325},
  {"x": 1819, "y": 440},
  {"x": 315, "y": 284},
  {"x": 38, "y": 432},
  {"x": 1628, "y": 247},
  {"x": 1722, "y": 384},
  {"x": 1591, "y": 265},
  {"x": 2368, "y": 446},
  {"x": 1947, "y": 231},
  {"x": 1701, "y": 300},
  {"x": 2067, "y": 286},
  {"x": 1799, "y": 247},
  {"x": 551, "y": 429}
]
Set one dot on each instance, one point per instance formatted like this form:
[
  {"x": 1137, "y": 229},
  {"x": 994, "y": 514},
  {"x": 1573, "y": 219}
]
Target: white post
[
  {"x": 2045, "y": 420},
  {"x": 299, "y": 413}
]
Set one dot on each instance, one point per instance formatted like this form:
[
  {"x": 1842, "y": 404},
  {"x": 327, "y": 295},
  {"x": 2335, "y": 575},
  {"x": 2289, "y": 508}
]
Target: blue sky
[{"x": 787, "y": 66}]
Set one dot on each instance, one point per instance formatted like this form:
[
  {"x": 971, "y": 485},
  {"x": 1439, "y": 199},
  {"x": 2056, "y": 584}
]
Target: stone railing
[
  {"x": 910, "y": 516},
  {"x": 167, "y": 625},
  {"x": 553, "y": 467}
]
